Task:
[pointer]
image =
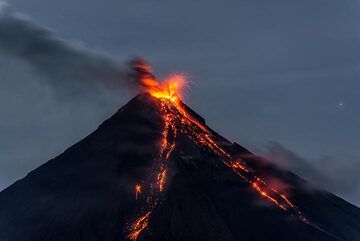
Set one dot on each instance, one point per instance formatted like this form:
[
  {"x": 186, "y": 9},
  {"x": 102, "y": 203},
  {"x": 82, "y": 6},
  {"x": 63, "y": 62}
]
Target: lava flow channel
[
  {"x": 177, "y": 119},
  {"x": 159, "y": 180}
]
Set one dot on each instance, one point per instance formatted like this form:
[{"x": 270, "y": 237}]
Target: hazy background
[{"x": 279, "y": 77}]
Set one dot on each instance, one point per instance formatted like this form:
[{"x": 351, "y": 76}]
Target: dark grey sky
[{"x": 282, "y": 71}]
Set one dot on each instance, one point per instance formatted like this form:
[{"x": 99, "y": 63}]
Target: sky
[{"x": 279, "y": 77}]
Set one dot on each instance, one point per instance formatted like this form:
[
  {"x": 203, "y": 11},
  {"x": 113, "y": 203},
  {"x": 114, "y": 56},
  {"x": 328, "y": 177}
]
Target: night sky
[{"x": 279, "y": 77}]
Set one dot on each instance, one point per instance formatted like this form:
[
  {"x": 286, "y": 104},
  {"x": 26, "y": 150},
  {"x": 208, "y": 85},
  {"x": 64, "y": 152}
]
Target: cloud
[
  {"x": 336, "y": 173},
  {"x": 68, "y": 67}
]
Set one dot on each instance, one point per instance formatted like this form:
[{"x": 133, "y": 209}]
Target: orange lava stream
[
  {"x": 167, "y": 147},
  {"x": 178, "y": 120},
  {"x": 265, "y": 190},
  {"x": 139, "y": 225}
]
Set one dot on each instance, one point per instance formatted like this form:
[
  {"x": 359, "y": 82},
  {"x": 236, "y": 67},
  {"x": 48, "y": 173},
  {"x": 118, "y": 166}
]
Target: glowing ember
[
  {"x": 237, "y": 166},
  {"x": 137, "y": 191},
  {"x": 178, "y": 120},
  {"x": 161, "y": 177}
]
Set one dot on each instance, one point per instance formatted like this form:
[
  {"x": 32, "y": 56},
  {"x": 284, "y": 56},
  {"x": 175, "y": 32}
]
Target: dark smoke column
[{"x": 141, "y": 73}]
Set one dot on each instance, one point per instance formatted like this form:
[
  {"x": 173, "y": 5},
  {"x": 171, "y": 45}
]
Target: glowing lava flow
[
  {"x": 167, "y": 146},
  {"x": 178, "y": 120}
]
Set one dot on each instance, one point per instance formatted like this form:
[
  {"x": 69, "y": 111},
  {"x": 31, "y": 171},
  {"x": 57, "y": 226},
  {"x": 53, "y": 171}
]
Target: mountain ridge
[{"x": 87, "y": 192}]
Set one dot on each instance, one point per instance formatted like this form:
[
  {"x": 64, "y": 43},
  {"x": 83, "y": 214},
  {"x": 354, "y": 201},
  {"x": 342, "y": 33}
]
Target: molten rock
[{"x": 155, "y": 171}]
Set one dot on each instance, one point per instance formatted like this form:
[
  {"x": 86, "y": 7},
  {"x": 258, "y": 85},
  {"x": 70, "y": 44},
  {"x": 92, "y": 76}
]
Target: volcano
[{"x": 155, "y": 171}]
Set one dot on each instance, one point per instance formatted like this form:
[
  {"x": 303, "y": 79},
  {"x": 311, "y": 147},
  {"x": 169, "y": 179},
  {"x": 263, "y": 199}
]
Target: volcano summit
[{"x": 156, "y": 171}]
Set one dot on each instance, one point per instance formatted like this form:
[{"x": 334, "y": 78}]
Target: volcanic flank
[{"x": 156, "y": 171}]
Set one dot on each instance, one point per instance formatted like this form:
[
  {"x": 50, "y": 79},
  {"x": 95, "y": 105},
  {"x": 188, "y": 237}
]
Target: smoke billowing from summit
[
  {"x": 68, "y": 66},
  {"x": 28, "y": 106},
  {"x": 48, "y": 88}
]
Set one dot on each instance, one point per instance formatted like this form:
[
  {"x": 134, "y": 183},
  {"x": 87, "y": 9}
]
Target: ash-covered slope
[{"x": 87, "y": 193}]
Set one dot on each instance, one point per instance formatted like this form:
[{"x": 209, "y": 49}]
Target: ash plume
[
  {"x": 66, "y": 66},
  {"x": 49, "y": 88},
  {"x": 52, "y": 89}
]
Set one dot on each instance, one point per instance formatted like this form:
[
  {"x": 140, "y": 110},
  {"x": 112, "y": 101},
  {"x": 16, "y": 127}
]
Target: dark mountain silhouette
[{"x": 87, "y": 192}]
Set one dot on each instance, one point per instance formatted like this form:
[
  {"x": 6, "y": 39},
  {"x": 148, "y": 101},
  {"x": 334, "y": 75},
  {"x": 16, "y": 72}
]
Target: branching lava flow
[{"x": 178, "y": 120}]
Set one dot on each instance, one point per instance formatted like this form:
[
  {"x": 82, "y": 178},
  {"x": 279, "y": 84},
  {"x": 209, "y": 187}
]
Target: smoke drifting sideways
[
  {"x": 68, "y": 67},
  {"x": 52, "y": 93},
  {"x": 337, "y": 173}
]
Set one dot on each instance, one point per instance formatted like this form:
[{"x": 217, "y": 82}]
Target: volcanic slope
[{"x": 138, "y": 177}]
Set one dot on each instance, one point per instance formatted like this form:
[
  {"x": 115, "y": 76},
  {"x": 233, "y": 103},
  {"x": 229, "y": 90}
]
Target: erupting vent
[
  {"x": 177, "y": 120},
  {"x": 154, "y": 171}
]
